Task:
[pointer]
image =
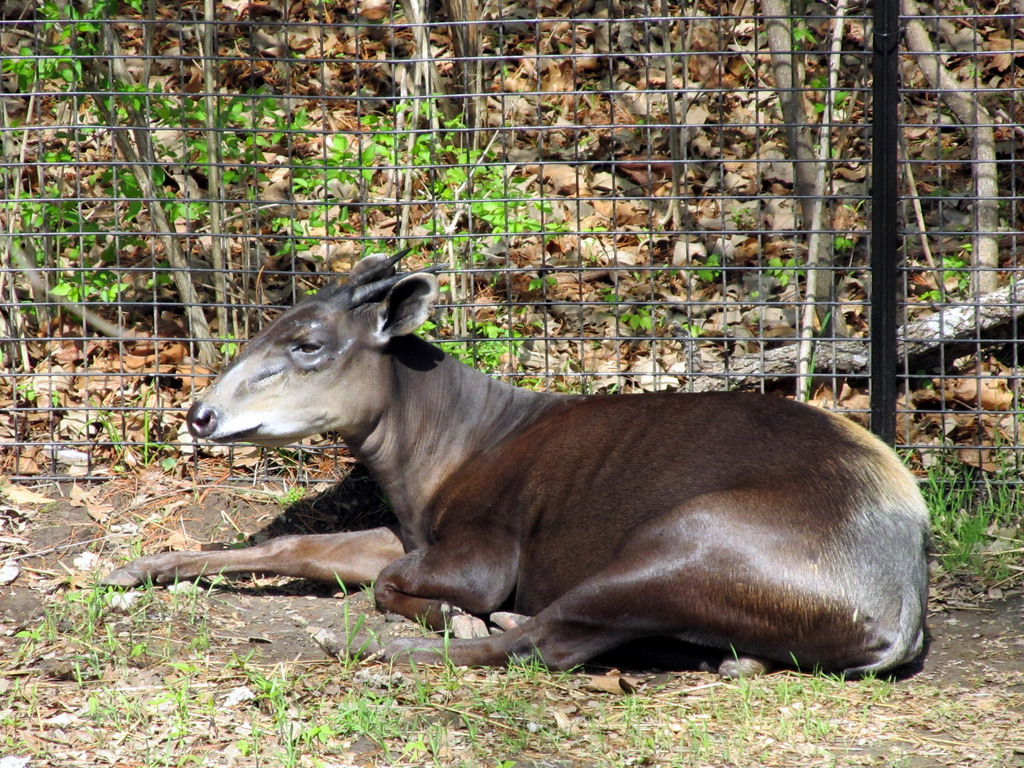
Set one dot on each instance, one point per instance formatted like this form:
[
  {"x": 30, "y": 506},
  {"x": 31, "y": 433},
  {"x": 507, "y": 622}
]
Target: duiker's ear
[{"x": 407, "y": 305}]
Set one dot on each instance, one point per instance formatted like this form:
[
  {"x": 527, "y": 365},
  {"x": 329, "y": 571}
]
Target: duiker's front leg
[
  {"x": 423, "y": 584},
  {"x": 434, "y": 585},
  {"x": 351, "y": 558}
]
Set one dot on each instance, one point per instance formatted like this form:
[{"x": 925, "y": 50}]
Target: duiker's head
[{"x": 320, "y": 366}]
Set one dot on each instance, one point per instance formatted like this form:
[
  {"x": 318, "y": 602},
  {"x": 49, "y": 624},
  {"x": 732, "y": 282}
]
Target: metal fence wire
[{"x": 629, "y": 196}]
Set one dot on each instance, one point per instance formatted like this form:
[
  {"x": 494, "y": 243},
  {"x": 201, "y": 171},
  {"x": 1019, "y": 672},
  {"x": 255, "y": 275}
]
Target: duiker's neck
[{"x": 440, "y": 413}]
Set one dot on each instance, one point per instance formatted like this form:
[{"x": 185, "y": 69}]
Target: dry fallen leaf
[
  {"x": 79, "y": 497},
  {"x": 562, "y": 721},
  {"x": 100, "y": 512},
  {"x": 374, "y": 10},
  {"x": 612, "y": 683},
  {"x": 562, "y": 179},
  {"x": 981, "y": 458},
  {"x": 175, "y": 541},
  {"x": 991, "y": 392},
  {"x": 18, "y": 495}
]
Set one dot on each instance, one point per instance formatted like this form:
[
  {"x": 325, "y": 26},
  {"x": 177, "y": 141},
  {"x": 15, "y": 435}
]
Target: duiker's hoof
[
  {"x": 125, "y": 576},
  {"x": 506, "y": 621}
]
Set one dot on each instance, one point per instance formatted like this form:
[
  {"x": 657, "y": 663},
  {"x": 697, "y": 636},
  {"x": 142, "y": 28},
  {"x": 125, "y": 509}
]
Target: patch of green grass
[
  {"x": 148, "y": 696},
  {"x": 150, "y": 683},
  {"x": 976, "y": 527},
  {"x": 292, "y": 496}
]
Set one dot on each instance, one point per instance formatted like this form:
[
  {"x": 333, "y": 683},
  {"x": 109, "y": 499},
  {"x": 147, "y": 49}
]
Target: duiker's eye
[{"x": 307, "y": 348}]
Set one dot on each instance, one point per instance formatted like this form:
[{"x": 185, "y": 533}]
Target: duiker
[{"x": 768, "y": 529}]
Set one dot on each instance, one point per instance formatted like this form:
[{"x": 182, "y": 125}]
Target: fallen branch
[
  {"x": 962, "y": 321},
  {"x": 959, "y": 322},
  {"x": 843, "y": 357}
]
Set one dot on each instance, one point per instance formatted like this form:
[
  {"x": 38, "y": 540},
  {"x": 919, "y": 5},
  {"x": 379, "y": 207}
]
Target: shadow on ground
[{"x": 972, "y": 644}]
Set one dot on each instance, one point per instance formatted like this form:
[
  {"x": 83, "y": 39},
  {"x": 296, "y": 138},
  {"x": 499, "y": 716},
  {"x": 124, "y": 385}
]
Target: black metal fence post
[{"x": 884, "y": 257}]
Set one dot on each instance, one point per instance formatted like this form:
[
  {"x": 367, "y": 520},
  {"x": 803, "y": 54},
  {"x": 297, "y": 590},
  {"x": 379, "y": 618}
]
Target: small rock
[
  {"x": 379, "y": 679},
  {"x": 72, "y": 458},
  {"x": 85, "y": 562},
  {"x": 9, "y": 572},
  {"x": 238, "y": 696},
  {"x": 122, "y": 601},
  {"x": 466, "y": 627},
  {"x": 330, "y": 641}
]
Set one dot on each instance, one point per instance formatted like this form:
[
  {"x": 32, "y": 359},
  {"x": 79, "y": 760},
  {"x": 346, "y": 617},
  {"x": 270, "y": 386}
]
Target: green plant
[
  {"x": 292, "y": 496},
  {"x": 229, "y": 347},
  {"x": 690, "y": 330},
  {"x": 86, "y": 255},
  {"x": 744, "y": 219},
  {"x": 74, "y": 34},
  {"x": 26, "y": 389},
  {"x": 784, "y": 270},
  {"x": 712, "y": 269},
  {"x": 538, "y": 282},
  {"x": 488, "y": 353},
  {"x": 638, "y": 318},
  {"x": 152, "y": 447},
  {"x": 839, "y": 97},
  {"x": 959, "y": 265},
  {"x": 842, "y": 244},
  {"x": 804, "y": 36}
]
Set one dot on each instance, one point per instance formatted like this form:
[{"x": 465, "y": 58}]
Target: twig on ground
[{"x": 922, "y": 229}]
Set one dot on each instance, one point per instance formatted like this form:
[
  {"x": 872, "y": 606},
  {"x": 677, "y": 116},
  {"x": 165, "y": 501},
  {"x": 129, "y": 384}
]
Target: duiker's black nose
[{"x": 201, "y": 419}]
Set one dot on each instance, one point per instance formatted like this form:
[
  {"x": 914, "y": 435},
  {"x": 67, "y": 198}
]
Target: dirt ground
[
  {"x": 973, "y": 638},
  {"x": 976, "y": 635}
]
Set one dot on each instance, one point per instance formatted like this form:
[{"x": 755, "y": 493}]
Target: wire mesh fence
[{"x": 629, "y": 196}]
